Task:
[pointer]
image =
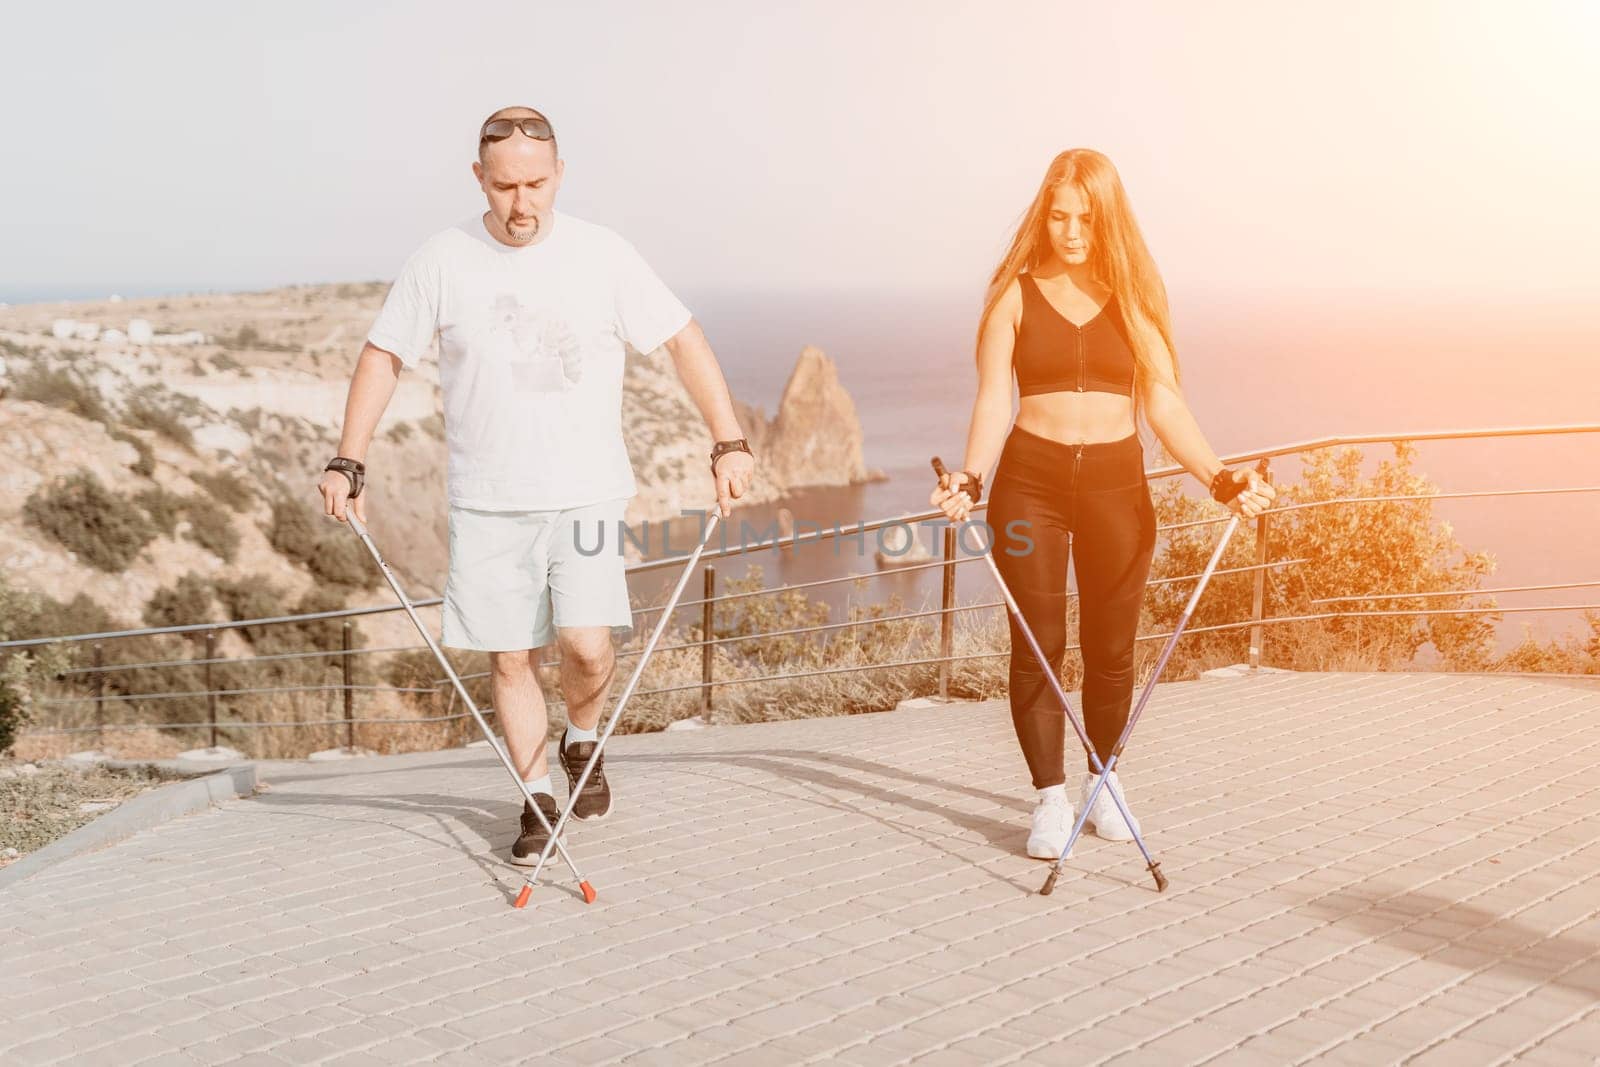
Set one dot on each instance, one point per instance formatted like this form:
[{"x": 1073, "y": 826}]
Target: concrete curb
[{"x": 148, "y": 809}]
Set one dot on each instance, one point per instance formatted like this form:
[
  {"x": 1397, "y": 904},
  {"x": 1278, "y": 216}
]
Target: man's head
[{"x": 519, "y": 171}]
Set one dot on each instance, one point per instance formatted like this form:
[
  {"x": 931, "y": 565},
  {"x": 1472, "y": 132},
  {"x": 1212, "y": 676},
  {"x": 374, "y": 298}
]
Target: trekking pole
[
  {"x": 616, "y": 712},
  {"x": 1061, "y": 697},
  {"x": 1144, "y": 695},
  {"x": 527, "y": 794}
]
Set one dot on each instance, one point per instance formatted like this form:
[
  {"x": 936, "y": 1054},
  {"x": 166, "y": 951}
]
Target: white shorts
[{"x": 515, "y": 576}]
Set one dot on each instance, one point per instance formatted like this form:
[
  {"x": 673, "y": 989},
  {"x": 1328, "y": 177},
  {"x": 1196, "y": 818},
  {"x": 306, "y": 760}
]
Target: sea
[{"x": 1259, "y": 370}]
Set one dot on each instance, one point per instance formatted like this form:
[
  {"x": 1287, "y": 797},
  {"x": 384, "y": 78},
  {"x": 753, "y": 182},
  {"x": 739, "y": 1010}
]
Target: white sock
[
  {"x": 1058, "y": 792},
  {"x": 577, "y": 733},
  {"x": 540, "y": 785}
]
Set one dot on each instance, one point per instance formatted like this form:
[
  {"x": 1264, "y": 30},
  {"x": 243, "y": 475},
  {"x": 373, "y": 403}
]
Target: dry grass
[
  {"x": 745, "y": 690},
  {"x": 141, "y": 743},
  {"x": 44, "y": 804}
]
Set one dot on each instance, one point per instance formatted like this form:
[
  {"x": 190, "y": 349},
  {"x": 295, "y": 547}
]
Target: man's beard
[{"x": 525, "y": 235}]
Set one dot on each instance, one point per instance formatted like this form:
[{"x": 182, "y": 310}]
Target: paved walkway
[{"x": 1365, "y": 869}]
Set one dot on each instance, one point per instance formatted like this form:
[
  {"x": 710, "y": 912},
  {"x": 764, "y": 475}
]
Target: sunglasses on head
[{"x": 535, "y": 126}]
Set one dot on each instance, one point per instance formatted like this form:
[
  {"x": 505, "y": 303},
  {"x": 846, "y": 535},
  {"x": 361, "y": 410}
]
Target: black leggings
[{"x": 1092, "y": 497}]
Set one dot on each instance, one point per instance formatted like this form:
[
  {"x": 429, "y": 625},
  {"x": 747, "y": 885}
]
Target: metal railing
[{"x": 708, "y": 641}]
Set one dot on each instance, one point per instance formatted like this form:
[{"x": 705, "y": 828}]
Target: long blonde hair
[{"x": 1118, "y": 257}]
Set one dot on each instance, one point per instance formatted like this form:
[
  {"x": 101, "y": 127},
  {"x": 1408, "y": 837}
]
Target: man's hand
[
  {"x": 734, "y": 473},
  {"x": 335, "y": 490}
]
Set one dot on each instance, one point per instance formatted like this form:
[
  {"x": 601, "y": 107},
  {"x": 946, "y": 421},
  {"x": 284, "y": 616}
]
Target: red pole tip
[
  {"x": 588, "y": 892},
  {"x": 522, "y": 897}
]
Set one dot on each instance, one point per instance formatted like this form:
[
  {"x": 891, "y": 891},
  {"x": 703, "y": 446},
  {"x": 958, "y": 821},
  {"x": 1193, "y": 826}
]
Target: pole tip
[
  {"x": 1049, "y": 883},
  {"x": 1161, "y": 879},
  {"x": 588, "y": 892},
  {"x": 522, "y": 897}
]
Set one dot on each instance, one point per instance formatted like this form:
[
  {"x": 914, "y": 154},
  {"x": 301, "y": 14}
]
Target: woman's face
[{"x": 1068, "y": 225}]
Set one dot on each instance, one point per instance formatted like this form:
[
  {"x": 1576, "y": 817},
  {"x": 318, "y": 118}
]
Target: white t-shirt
[{"x": 531, "y": 349}]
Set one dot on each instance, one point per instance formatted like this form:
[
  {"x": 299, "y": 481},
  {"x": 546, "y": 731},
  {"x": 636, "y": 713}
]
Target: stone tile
[{"x": 1440, "y": 902}]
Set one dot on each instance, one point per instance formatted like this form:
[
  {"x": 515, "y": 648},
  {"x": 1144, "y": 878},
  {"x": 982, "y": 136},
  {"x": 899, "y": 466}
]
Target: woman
[{"x": 1077, "y": 312}]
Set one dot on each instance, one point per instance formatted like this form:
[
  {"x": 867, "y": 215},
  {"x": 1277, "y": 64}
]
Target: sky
[{"x": 1267, "y": 148}]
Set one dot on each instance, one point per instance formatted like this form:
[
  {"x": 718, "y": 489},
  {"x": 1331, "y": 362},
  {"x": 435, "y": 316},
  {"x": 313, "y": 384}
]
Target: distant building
[
  {"x": 187, "y": 337},
  {"x": 63, "y": 329},
  {"x": 86, "y": 331},
  {"x": 114, "y": 337},
  {"x": 140, "y": 332}
]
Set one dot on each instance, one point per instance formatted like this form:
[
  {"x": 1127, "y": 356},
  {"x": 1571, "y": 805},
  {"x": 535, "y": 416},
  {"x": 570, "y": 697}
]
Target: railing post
[
  {"x": 98, "y": 686},
  {"x": 947, "y": 602},
  {"x": 1258, "y": 595},
  {"x": 705, "y": 642},
  {"x": 211, "y": 690},
  {"x": 349, "y": 714}
]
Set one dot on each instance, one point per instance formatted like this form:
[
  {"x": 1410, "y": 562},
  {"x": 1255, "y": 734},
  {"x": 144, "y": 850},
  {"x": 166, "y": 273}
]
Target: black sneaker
[
  {"x": 595, "y": 801},
  {"x": 525, "y": 853}
]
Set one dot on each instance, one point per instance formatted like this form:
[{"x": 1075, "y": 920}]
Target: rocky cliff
[
  {"x": 815, "y": 439},
  {"x": 261, "y": 400}
]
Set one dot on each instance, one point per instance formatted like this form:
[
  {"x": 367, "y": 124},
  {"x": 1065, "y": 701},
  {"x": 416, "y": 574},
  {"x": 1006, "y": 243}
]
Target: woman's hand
[
  {"x": 1256, "y": 497},
  {"x": 949, "y": 497}
]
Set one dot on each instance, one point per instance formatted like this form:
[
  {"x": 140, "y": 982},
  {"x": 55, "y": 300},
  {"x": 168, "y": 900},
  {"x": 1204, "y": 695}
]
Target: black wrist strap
[
  {"x": 1224, "y": 486},
  {"x": 722, "y": 448},
  {"x": 353, "y": 469},
  {"x": 973, "y": 486}
]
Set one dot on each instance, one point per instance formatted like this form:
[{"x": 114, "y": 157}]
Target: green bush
[
  {"x": 186, "y": 601},
  {"x": 61, "y": 388},
  {"x": 159, "y": 410},
  {"x": 247, "y": 337},
  {"x": 321, "y": 633},
  {"x": 1566, "y": 654},
  {"x": 329, "y": 552},
  {"x": 209, "y": 526},
  {"x": 163, "y": 506},
  {"x": 144, "y": 463},
  {"x": 1387, "y": 547},
  {"x": 27, "y": 673},
  {"x": 225, "y": 487},
  {"x": 253, "y": 597},
  {"x": 46, "y": 616},
  {"x": 17, "y": 608},
  {"x": 360, "y": 290},
  {"x": 103, "y": 528},
  {"x": 13, "y": 702},
  {"x": 212, "y": 528}
]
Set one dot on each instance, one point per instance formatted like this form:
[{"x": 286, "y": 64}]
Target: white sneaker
[
  {"x": 1052, "y": 824},
  {"x": 1105, "y": 817}
]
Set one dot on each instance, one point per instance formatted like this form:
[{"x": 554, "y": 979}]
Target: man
[{"x": 532, "y": 308}]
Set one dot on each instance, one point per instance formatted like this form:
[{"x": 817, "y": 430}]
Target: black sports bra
[{"x": 1052, "y": 355}]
